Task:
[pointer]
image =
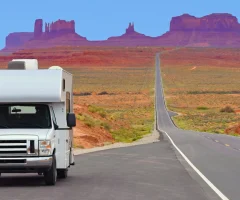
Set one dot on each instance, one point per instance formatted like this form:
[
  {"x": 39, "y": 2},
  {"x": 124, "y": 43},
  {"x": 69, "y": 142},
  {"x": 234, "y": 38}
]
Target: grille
[
  {"x": 13, "y": 147},
  {"x": 12, "y": 161}
]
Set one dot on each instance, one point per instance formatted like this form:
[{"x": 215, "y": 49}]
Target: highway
[
  {"x": 154, "y": 171},
  {"x": 216, "y": 156}
]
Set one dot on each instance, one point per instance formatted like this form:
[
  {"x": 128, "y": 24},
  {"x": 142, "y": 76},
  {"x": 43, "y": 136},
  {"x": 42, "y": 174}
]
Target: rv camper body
[{"x": 36, "y": 120}]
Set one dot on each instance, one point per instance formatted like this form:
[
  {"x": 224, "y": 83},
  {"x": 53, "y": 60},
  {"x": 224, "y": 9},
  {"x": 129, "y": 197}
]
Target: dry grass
[
  {"x": 200, "y": 92},
  {"x": 126, "y": 106}
]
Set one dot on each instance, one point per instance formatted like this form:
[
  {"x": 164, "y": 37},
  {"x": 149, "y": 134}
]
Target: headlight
[{"x": 45, "y": 147}]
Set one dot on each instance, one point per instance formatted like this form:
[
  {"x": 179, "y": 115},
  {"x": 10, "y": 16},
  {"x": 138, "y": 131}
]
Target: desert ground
[
  {"x": 202, "y": 85},
  {"x": 114, "y": 89}
]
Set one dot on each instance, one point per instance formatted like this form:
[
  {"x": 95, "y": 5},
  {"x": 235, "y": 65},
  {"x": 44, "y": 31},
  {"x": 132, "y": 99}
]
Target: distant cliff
[
  {"x": 56, "y": 33},
  {"x": 214, "y": 30},
  {"x": 14, "y": 40},
  {"x": 215, "y": 22}
]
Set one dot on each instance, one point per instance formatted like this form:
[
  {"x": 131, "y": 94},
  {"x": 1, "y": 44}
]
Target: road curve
[{"x": 216, "y": 156}]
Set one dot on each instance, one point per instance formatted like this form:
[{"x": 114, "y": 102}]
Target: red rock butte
[
  {"x": 130, "y": 33},
  {"x": 56, "y": 33},
  {"x": 130, "y": 38},
  {"x": 214, "y": 30},
  {"x": 214, "y": 22},
  {"x": 53, "y": 29}
]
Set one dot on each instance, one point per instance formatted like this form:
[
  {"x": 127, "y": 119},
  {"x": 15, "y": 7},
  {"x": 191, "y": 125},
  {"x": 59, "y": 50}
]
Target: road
[
  {"x": 216, "y": 156},
  {"x": 146, "y": 172}
]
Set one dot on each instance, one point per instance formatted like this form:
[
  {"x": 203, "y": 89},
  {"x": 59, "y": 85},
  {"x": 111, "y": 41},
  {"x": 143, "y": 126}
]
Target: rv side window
[
  {"x": 67, "y": 102},
  {"x": 63, "y": 84}
]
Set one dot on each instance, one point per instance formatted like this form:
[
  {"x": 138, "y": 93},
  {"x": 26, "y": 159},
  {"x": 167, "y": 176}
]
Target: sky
[{"x": 100, "y": 19}]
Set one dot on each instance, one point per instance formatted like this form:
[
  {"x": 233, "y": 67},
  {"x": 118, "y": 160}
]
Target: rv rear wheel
[
  {"x": 51, "y": 175},
  {"x": 62, "y": 173}
]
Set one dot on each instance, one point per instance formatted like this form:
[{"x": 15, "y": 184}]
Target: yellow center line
[
  {"x": 227, "y": 145},
  {"x": 216, "y": 141}
]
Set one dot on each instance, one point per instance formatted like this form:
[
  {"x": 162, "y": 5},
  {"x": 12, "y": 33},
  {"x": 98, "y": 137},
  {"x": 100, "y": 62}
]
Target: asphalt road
[
  {"x": 141, "y": 172},
  {"x": 145, "y": 172},
  {"x": 216, "y": 156}
]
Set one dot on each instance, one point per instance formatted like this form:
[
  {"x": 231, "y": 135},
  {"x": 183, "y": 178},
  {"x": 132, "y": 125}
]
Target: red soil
[
  {"x": 86, "y": 137},
  {"x": 234, "y": 129},
  {"x": 202, "y": 57},
  {"x": 76, "y": 57}
]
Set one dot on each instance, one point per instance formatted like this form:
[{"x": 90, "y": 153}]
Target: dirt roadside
[{"x": 150, "y": 138}]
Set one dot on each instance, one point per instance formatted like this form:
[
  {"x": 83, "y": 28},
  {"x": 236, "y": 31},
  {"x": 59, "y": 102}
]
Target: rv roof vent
[
  {"x": 23, "y": 64},
  {"x": 55, "y": 67},
  {"x": 16, "y": 65}
]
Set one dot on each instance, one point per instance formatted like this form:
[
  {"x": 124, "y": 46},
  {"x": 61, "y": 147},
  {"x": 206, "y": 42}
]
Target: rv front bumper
[{"x": 8, "y": 165}]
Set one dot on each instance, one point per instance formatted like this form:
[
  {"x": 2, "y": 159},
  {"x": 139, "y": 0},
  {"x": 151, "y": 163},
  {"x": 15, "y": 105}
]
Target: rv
[{"x": 36, "y": 120}]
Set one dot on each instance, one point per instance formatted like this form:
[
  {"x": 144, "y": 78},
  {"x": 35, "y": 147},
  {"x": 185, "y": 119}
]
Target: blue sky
[{"x": 100, "y": 19}]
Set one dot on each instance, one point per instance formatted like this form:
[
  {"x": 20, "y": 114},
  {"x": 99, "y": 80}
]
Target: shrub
[
  {"x": 95, "y": 109},
  {"x": 102, "y": 114},
  {"x": 80, "y": 116},
  {"x": 202, "y": 108},
  {"x": 227, "y": 109},
  {"x": 82, "y": 94},
  {"x": 103, "y": 93},
  {"x": 89, "y": 123},
  {"x": 105, "y": 126}
]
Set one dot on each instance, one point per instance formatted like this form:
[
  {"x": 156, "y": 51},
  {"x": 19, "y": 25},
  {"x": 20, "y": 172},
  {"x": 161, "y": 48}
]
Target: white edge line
[{"x": 214, "y": 188}]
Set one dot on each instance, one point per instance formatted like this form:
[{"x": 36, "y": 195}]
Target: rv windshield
[{"x": 24, "y": 116}]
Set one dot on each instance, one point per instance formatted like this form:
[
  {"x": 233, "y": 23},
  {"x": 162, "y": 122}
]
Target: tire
[
  {"x": 50, "y": 176},
  {"x": 62, "y": 173}
]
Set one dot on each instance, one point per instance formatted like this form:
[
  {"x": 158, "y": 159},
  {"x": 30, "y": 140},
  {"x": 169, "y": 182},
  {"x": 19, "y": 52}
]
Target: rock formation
[
  {"x": 38, "y": 28},
  {"x": 214, "y": 22},
  {"x": 17, "y": 40},
  {"x": 54, "y": 29},
  {"x": 130, "y": 38},
  {"x": 60, "y": 27},
  {"x": 56, "y": 33},
  {"x": 215, "y": 30},
  {"x": 130, "y": 28},
  {"x": 130, "y": 33}
]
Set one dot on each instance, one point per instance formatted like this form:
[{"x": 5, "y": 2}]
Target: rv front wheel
[{"x": 51, "y": 175}]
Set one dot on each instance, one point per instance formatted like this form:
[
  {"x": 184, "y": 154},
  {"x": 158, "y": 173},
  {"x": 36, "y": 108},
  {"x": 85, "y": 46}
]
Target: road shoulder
[{"x": 148, "y": 139}]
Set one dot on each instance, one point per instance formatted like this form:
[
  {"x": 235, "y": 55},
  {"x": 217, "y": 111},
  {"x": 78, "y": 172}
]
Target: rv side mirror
[{"x": 71, "y": 120}]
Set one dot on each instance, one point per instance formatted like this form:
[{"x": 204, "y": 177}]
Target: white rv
[{"x": 36, "y": 120}]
